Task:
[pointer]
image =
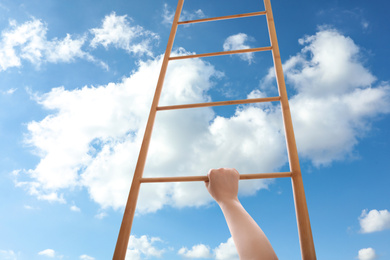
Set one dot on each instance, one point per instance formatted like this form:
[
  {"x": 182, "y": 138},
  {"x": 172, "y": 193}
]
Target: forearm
[{"x": 250, "y": 241}]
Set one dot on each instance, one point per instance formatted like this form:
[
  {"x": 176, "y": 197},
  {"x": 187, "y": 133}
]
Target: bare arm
[{"x": 250, "y": 241}]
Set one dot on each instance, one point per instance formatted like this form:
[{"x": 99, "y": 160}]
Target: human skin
[{"x": 249, "y": 238}]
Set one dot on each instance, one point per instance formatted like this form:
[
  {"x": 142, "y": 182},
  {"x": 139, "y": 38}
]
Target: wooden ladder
[{"x": 302, "y": 215}]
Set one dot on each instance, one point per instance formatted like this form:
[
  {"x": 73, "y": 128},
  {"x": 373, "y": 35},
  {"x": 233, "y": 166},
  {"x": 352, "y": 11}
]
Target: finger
[{"x": 207, "y": 182}]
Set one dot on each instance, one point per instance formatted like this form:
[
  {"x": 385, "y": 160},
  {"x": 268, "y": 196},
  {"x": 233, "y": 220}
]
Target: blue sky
[{"x": 76, "y": 83}]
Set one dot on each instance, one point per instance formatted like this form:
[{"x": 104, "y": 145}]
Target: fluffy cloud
[
  {"x": 75, "y": 208},
  {"x": 237, "y": 42},
  {"x": 9, "y": 91},
  {"x": 226, "y": 251},
  {"x": 101, "y": 215},
  {"x": 185, "y": 15},
  {"x": 8, "y": 255},
  {"x": 93, "y": 138},
  {"x": 374, "y": 220},
  {"x": 142, "y": 247},
  {"x": 28, "y": 42},
  {"x": 117, "y": 31},
  {"x": 86, "y": 257},
  {"x": 367, "y": 254},
  {"x": 335, "y": 100},
  {"x": 329, "y": 65},
  {"x": 48, "y": 252},
  {"x": 65, "y": 50},
  {"x": 197, "y": 251}
]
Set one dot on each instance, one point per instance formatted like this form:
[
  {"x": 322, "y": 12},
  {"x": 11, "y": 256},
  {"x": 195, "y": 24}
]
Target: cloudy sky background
[{"x": 76, "y": 84}]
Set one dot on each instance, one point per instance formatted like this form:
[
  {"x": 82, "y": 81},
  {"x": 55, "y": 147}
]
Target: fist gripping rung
[{"x": 251, "y": 176}]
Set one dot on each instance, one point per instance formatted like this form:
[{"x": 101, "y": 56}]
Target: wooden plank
[
  {"x": 220, "y": 103},
  {"x": 268, "y": 48},
  {"x": 223, "y": 17}
]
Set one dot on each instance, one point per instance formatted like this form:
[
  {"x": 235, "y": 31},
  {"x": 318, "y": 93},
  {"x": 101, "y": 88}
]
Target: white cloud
[
  {"x": 35, "y": 188},
  {"x": 365, "y": 24},
  {"x": 86, "y": 257},
  {"x": 27, "y": 36},
  {"x": 101, "y": 215},
  {"x": 8, "y": 255},
  {"x": 65, "y": 50},
  {"x": 367, "y": 254},
  {"x": 197, "y": 251},
  {"x": 334, "y": 66},
  {"x": 52, "y": 197},
  {"x": 48, "y": 253},
  {"x": 28, "y": 207},
  {"x": 97, "y": 130},
  {"x": 117, "y": 31},
  {"x": 374, "y": 220},
  {"x": 93, "y": 137},
  {"x": 196, "y": 14},
  {"x": 75, "y": 208},
  {"x": 185, "y": 15},
  {"x": 226, "y": 251},
  {"x": 9, "y": 91},
  {"x": 335, "y": 101},
  {"x": 28, "y": 42},
  {"x": 237, "y": 42},
  {"x": 143, "y": 247},
  {"x": 167, "y": 15}
]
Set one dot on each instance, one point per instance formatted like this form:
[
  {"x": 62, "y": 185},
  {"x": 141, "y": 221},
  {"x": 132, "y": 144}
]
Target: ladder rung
[
  {"x": 223, "y": 17},
  {"x": 205, "y": 178},
  {"x": 221, "y": 53},
  {"x": 221, "y": 103}
]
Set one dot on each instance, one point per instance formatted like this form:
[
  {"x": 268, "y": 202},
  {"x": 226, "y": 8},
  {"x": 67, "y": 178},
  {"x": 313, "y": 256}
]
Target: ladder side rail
[
  {"x": 206, "y": 178},
  {"x": 128, "y": 215},
  {"x": 234, "y": 16},
  {"x": 303, "y": 221}
]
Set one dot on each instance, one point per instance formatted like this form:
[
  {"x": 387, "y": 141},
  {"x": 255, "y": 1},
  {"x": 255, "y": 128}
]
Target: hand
[
  {"x": 223, "y": 184},
  {"x": 250, "y": 240}
]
